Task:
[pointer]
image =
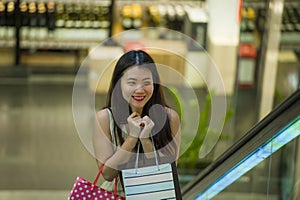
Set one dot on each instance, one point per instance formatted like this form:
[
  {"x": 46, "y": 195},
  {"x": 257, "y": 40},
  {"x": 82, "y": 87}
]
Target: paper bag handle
[
  {"x": 138, "y": 153},
  {"x": 97, "y": 178}
]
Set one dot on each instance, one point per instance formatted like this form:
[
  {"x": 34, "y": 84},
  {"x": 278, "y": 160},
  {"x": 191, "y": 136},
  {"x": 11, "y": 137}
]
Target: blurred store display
[
  {"x": 54, "y": 24},
  {"x": 71, "y": 25},
  {"x": 32, "y": 26},
  {"x": 60, "y": 25},
  {"x": 254, "y": 14}
]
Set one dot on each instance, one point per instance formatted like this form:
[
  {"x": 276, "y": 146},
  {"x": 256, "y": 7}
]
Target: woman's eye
[
  {"x": 147, "y": 83},
  {"x": 131, "y": 83}
]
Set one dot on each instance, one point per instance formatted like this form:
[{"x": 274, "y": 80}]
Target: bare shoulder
[
  {"x": 102, "y": 119},
  {"x": 173, "y": 115},
  {"x": 174, "y": 121},
  {"x": 102, "y": 115}
]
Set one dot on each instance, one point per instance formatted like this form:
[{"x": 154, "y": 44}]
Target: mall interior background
[{"x": 44, "y": 43}]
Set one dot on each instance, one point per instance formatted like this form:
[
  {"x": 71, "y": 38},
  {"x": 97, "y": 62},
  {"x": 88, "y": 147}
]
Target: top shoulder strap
[{"x": 111, "y": 127}]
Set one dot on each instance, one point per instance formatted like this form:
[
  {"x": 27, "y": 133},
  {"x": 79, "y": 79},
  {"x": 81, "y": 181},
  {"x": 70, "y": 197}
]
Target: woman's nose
[{"x": 139, "y": 88}]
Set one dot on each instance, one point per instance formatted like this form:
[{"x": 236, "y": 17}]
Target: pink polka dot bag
[{"x": 84, "y": 190}]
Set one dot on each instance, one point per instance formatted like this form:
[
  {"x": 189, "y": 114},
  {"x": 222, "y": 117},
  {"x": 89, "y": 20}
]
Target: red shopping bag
[{"x": 85, "y": 190}]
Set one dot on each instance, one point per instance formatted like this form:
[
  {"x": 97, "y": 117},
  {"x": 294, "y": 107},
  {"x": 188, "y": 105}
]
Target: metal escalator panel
[{"x": 276, "y": 130}]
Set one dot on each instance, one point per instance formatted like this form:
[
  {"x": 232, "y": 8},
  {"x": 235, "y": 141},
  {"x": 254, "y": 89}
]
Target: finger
[
  {"x": 147, "y": 119},
  {"x": 148, "y": 123},
  {"x": 134, "y": 115},
  {"x": 142, "y": 124}
]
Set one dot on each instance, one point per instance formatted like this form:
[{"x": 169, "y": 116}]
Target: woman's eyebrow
[{"x": 134, "y": 79}]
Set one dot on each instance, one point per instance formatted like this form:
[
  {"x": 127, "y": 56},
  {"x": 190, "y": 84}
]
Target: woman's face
[{"x": 137, "y": 87}]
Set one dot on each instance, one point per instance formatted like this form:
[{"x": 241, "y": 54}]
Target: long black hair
[{"x": 154, "y": 108}]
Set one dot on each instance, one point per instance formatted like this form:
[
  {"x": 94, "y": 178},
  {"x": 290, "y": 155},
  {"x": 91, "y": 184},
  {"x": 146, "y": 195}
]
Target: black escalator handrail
[{"x": 290, "y": 107}]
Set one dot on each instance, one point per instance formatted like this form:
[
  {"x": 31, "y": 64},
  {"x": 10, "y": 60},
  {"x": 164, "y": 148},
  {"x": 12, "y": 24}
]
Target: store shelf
[{"x": 95, "y": 2}]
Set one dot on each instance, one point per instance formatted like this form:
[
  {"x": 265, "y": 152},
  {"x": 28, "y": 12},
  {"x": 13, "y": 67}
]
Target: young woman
[{"x": 136, "y": 112}]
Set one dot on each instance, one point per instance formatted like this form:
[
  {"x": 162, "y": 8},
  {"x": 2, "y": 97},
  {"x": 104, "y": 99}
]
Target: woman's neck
[{"x": 140, "y": 111}]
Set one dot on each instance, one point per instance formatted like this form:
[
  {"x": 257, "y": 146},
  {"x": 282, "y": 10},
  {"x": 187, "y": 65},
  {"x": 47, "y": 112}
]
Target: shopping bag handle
[
  {"x": 138, "y": 153},
  {"x": 97, "y": 178}
]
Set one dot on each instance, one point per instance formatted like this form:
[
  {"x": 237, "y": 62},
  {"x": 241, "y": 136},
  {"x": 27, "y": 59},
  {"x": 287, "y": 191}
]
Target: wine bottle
[
  {"x": 77, "y": 13},
  {"x": 2, "y": 14},
  {"x": 104, "y": 17},
  {"x": 297, "y": 13},
  {"x": 10, "y": 14},
  {"x": 41, "y": 15},
  {"x": 33, "y": 22},
  {"x": 126, "y": 17},
  {"x": 60, "y": 15},
  {"x": 154, "y": 16},
  {"x": 96, "y": 24},
  {"x": 2, "y": 20},
  {"x": 70, "y": 16},
  {"x": 179, "y": 21},
  {"x": 24, "y": 14},
  {"x": 171, "y": 17},
  {"x": 32, "y": 14},
  {"x": 51, "y": 15},
  {"x": 87, "y": 23},
  {"x": 162, "y": 15},
  {"x": 136, "y": 15}
]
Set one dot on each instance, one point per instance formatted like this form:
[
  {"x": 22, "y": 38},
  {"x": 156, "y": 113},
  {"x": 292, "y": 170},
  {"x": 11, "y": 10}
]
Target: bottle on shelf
[
  {"x": 136, "y": 15},
  {"x": 77, "y": 13},
  {"x": 41, "y": 15},
  {"x": 51, "y": 15},
  {"x": 171, "y": 17},
  {"x": 180, "y": 15},
  {"x": 251, "y": 20},
  {"x": 33, "y": 21},
  {"x": 152, "y": 12},
  {"x": 261, "y": 19},
  {"x": 10, "y": 13},
  {"x": 42, "y": 21},
  {"x": 24, "y": 14},
  {"x": 162, "y": 14},
  {"x": 32, "y": 13},
  {"x": 126, "y": 17},
  {"x": 2, "y": 14},
  {"x": 297, "y": 19},
  {"x": 60, "y": 15},
  {"x": 2, "y": 20},
  {"x": 91, "y": 16},
  {"x": 71, "y": 16},
  {"x": 86, "y": 17},
  {"x": 10, "y": 19},
  {"x": 96, "y": 24},
  {"x": 104, "y": 18}
]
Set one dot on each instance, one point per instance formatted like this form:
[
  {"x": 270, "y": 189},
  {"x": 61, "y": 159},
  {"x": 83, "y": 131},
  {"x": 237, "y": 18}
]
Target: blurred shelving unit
[
  {"x": 41, "y": 34},
  {"x": 253, "y": 25}
]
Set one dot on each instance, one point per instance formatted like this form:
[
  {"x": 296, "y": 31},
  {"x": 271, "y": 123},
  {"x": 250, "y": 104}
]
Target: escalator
[{"x": 264, "y": 164}]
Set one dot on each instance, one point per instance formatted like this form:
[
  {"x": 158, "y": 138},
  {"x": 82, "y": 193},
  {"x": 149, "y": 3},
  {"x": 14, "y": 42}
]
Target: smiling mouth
[{"x": 138, "y": 98}]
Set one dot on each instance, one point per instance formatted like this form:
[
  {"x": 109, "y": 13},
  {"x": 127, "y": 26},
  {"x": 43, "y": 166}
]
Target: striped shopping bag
[{"x": 159, "y": 181}]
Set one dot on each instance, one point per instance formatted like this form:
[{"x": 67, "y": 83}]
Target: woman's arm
[
  {"x": 104, "y": 148},
  {"x": 175, "y": 129}
]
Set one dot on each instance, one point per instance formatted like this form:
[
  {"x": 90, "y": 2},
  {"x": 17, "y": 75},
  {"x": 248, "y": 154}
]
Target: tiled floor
[
  {"x": 39, "y": 145},
  {"x": 33, "y": 194}
]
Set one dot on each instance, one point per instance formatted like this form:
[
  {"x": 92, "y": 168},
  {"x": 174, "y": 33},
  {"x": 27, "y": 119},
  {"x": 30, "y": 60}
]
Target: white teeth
[{"x": 138, "y": 98}]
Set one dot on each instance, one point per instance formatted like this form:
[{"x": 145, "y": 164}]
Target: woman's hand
[
  {"x": 134, "y": 122},
  {"x": 147, "y": 125}
]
